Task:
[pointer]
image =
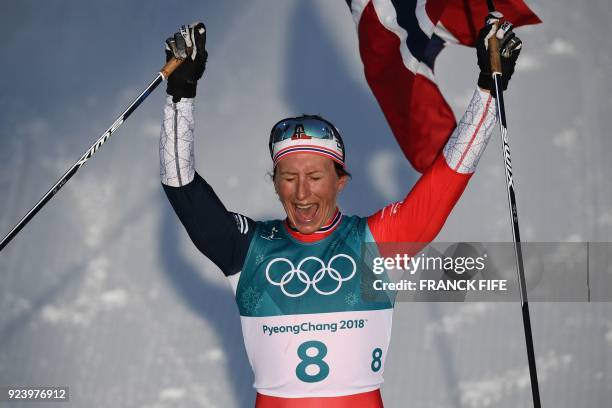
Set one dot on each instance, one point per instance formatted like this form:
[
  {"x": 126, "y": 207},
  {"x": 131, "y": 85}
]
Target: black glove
[
  {"x": 509, "y": 48},
  {"x": 188, "y": 44}
]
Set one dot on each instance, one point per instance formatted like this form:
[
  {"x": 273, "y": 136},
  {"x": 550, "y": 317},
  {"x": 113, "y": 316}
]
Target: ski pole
[
  {"x": 164, "y": 73},
  {"x": 501, "y": 116}
]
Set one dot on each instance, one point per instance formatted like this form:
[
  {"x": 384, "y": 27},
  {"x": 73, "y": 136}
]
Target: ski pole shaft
[
  {"x": 501, "y": 116},
  {"x": 164, "y": 73}
]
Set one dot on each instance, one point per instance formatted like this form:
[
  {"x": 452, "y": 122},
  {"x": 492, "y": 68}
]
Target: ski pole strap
[{"x": 170, "y": 66}]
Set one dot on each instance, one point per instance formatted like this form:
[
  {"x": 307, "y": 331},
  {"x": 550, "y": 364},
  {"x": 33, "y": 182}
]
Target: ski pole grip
[
  {"x": 170, "y": 66},
  {"x": 494, "y": 56}
]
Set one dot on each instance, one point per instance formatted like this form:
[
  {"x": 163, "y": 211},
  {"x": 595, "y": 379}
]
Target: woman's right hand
[{"x": 188, "y": 44}]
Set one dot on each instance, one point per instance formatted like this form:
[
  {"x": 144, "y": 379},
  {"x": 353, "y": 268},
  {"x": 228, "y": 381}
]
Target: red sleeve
[{"x": 421, "y": 215}]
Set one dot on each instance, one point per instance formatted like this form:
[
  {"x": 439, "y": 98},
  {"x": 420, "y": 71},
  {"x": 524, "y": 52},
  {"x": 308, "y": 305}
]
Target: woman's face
[{"x": 307, "y": 185}]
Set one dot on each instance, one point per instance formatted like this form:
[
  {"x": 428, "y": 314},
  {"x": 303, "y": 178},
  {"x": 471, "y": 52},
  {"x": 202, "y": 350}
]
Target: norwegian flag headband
[{"x": 306, "y": 134}]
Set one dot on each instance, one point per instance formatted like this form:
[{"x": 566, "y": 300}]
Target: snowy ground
[{"x": 103, "y": 291}]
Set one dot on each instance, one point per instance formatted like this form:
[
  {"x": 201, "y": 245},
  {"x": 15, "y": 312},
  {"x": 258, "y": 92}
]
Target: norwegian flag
[{"x": 399, "y": 41}]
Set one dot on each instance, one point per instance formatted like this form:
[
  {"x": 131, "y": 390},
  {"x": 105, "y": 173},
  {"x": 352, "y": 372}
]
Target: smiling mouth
[{"x": 305, "y": 213}]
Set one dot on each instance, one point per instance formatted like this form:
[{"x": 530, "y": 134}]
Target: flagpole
[{"x": 501, "y": 116}]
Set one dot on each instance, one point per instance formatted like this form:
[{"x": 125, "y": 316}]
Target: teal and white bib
[{"x": 310, "y": 328}]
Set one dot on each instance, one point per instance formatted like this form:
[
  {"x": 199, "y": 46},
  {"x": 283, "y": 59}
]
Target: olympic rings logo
[{"x": 324, "y": 270}]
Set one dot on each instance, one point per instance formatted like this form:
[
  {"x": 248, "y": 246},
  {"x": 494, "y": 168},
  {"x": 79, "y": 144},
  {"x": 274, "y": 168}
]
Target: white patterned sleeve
[
  {"x": 469, "y": 139},
  {"x": 176, "y": 156}
]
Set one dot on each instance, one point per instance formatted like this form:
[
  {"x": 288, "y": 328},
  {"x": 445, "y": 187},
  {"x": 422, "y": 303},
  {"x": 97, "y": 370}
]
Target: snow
[
  {"x": 566, "y": 140},
  {"x": 113, "y": 299},
  {"x": 173, "y": 394},
  {"x": 491, "y": 391},
  {"x": 561, "y": 47},
  {"x": 462, "y": 317},
  {"x": 381, "y": 167},
  {"x": 214, "y": 354},
  {"x": 527, "y": 63}
]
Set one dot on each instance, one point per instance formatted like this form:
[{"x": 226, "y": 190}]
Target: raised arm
[
  {"x": 421, "y": 215},
  {"x": 219, "y": 234}
]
